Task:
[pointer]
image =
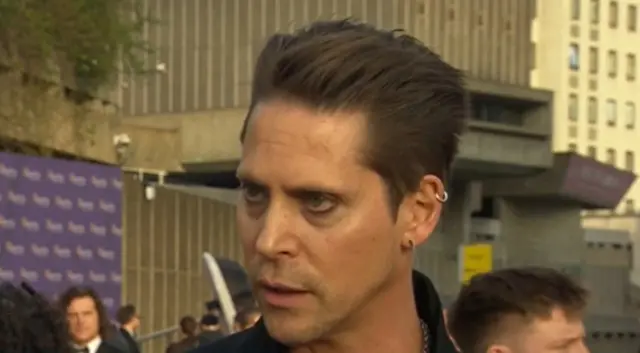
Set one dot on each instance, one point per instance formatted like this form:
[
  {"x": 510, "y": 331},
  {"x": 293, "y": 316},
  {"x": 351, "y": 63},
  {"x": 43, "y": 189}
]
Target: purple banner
[{"x": 60, "y": 225}]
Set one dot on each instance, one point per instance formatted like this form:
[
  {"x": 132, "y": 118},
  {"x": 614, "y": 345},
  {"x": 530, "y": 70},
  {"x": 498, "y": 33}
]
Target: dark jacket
[
  {"x": 207, "y": 337},
  {"x": 257, "y": 340},
  {"x": 184, "y": 345},
  {"x": 108, "y": 347}
]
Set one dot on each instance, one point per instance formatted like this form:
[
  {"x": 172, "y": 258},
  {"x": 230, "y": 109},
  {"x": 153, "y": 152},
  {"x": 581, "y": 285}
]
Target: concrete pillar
[{"x": 543, "y": 233}]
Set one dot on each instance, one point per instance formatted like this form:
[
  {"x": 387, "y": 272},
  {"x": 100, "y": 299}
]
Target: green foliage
[{"x": 96, "y": 38}]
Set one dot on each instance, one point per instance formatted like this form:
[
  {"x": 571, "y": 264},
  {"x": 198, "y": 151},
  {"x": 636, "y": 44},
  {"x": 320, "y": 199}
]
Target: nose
[{"x": 277, "y": 237}]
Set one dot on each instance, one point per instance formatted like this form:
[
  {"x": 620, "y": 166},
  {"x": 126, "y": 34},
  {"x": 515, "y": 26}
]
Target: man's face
[
  {"x": 319, "y": 240},
  {"x": 253, "y": 318},
  {"x": 135, "y": 324},
  {"x": 557, "y": 333},
  {"x": 83, "y": 320}
]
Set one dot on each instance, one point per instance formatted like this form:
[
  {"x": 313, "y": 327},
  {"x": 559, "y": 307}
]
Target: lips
[{"x": 281, "y": 295}]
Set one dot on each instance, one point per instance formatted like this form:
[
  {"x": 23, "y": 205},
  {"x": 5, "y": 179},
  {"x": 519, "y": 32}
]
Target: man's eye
[
  {"x": 253, "y": 194},
  {"x": 319, "y": 203}
]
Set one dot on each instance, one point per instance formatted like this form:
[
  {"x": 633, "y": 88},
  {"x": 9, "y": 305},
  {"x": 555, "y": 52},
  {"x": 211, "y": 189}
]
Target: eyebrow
[{"x": 297, "y": 191}]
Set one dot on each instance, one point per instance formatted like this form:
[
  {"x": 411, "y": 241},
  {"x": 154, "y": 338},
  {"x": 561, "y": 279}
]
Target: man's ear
[{"x": 423, "y": 210}]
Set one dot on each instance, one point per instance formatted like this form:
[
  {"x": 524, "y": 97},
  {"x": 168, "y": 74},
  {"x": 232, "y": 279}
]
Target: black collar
[{"x": 429, "y": 310}]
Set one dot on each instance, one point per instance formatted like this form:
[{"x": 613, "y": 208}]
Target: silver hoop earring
[{"x": 443, "y": 198}]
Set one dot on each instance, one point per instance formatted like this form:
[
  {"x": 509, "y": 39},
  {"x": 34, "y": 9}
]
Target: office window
[
  {"x": 573, "y": 107},
  {"x": 632, "y": 18},
  {"x": 593, "y": 60},
  {"x": 612, "y": 63},
  {"x": 595, "y": 12},
  {"x": 611, "y": 156},
  {"x": 575, "y": 10},
  {"x": 613, "y": 14},
  {"x": 631, "y": 67},
  {"x": 629, "y": 206},
  {"x": 593, "y": 111},
  {"x": 574, "y": 57},
  {"x": 573, "y": 147},
  {"x": 592, "y": 152},
  {"x": 629, "y": 161},
  {"x": 630, "y": 115},
  {"x": 612, "y": 112}
]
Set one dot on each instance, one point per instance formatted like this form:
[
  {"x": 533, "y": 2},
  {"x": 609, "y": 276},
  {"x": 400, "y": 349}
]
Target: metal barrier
[{"x": 161, "y": 338}]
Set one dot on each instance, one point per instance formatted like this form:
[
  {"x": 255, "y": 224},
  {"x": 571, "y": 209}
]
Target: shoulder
[
  {"x": 111, "y": 347},
  {"x": 243, "y": 342},
  {"x": 235, "y": 343}
]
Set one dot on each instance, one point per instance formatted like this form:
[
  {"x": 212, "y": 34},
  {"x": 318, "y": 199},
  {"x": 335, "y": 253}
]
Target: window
[
  {"x": 574, "y": 57},
  {"x": 611, "y": 156},
  {"x": 593, "y": 60},
  {"x": 629, "y": 161},
  {"x": 593, "y": 111},
  {"x": 629, "y": 206},
  {"x": 573, "y": 147},
  {"x": 592, "y": 152},
  {"x": 630, "y": 115},
  {"x": 575, "y": 10},
  {"x": 573, "y": 107},
  {"x": 612, "y": 112},
  {"x": 632, "y": 18},
  {"x": 573, "y": 131},
  {"x": 631, "y": 67},
  {"x": 612, "y": 64},
  {"x": 595, "y": 12},
  {"x": 613, "y": 14}
]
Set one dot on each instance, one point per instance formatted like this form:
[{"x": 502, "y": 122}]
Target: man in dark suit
[
  {"x": 350, "y": 133},
  {"x": 89, "y": 326},
  {"x": 189, "y": 328},
  {"x": 129, "y": 321}
]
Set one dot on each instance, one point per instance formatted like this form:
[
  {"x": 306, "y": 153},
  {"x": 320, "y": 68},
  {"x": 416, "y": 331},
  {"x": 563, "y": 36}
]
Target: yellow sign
[{"x": 473, "y": 260}]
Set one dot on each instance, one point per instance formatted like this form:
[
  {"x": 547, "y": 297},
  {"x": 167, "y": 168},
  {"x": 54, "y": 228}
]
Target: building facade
[{"x": 587, "y": 53}]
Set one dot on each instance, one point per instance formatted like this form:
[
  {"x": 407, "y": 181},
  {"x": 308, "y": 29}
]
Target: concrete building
[
  {"x": 586, "y": 53},
  {"x": 506, "y": 172}
]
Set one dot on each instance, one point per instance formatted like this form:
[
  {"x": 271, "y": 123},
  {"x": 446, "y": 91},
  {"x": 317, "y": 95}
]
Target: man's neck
[
  {"x": 389, "y": 323},
  {"x": 129, "y": 329}
]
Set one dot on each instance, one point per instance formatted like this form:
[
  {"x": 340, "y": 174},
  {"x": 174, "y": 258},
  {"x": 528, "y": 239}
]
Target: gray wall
[
  {"x": 209, "y": 46},
  {"x": 163, "y": 242}
]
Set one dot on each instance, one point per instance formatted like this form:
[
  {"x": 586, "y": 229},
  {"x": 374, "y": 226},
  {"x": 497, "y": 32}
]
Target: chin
[{"x": 290, "y": 331}]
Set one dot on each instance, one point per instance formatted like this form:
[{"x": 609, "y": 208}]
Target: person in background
[
  {"x": 244, "y": 299},
  {"x": 246, "y": 318},
  {"x": 89, "y": 326},
  {"x": 524, "y": 310},
  {"x": 189, "y": 328},
  {"x": 210, "y": 330},
  {"x": 213, "y": 307},
  {"x": 31, "y": 324},
  {"x": 129, "y": 322}
]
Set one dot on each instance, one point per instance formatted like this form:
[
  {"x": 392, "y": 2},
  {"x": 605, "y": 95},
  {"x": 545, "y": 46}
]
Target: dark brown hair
[
  {"x": 415, "y": 103},
  {"x": 125, "y": 314},
  {"x": 483, "y": 306},
  {"x": 188, "y": 326},
  {"x": 72, "y": 293}
]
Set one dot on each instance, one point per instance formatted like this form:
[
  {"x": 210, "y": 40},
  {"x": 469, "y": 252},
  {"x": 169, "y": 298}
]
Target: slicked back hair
[
  {"x": 481, "y": 311},
  {"x": 415, "y": 103}
]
